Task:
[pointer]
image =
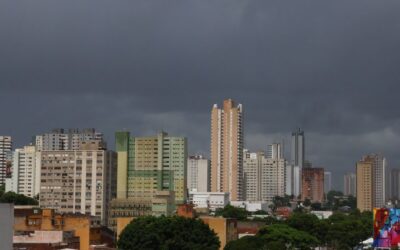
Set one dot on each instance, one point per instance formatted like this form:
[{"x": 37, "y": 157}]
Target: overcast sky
[{"x": 329, "y": 67}]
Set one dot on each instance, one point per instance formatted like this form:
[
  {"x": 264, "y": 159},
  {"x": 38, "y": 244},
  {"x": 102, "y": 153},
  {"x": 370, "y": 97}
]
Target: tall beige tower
[
  {"x": 227, "y": 149},
  {"x": 371, "y": 182},
  {"x": 364, "y": 185}
]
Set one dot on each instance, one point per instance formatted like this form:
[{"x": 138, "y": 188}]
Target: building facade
[
  {"x": 227, "y": 149},
  {"x": 298, "y": 148},
  {"x": 198, "y": 174},
  {"x": 264, "y": 177},
  {"x": 79, "y": 181},
  {"x": 349, "y": 184},
  {"x": 327, "y": 181},
  {"x": 371, "y": 182},
  {"x": 297, "y": 159},
  {"x": 210, "y": 200},
  {"x": 25, "y": 176},
  {"x": 395, "y": 184},
  {"x": 7, "y": 223},
  {"x": 35, "y": 219},
  {"x": 312, "y": 184},
  {"x": 5, "y": 152},
  {"x": 63, "y": 139},
  {"x": 364, "y": 174},
  {"x": 150, "y": 164}
]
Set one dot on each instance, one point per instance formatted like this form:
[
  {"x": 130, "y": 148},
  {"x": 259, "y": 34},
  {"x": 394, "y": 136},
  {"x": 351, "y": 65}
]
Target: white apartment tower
[
  {"x": 298, "y": 159},
  {"x": 25, "y": 176},
  {"x": 264, "y": 177},
  {"x": 61, "y": 139},
  {"x": 327, "y": 181},
  {"x": 5, "y": 152},
  {"x": 349, "y": 184},
  {"x": 198, "y": 174}
]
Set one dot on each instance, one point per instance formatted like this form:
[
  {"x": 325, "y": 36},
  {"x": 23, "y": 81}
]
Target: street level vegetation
[{"x": 167, "y": 233}]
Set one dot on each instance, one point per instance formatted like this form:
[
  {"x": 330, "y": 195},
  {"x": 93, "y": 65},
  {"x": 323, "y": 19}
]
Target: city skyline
[{"x": 290, "y": 64}]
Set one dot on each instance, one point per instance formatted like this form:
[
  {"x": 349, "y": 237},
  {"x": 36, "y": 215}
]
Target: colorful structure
[{"x": 386, "y": 227}]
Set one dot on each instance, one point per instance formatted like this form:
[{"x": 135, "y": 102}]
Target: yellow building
[
  {"x": 227, "y": 150},
  {"x": 225, "y": 228},
  {"x": 35, "y": 219},
  {"x": 364, "y": 185}
]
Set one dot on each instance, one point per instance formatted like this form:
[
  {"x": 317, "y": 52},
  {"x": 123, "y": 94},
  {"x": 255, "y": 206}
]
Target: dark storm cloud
[{"x": 329, "y": 67}]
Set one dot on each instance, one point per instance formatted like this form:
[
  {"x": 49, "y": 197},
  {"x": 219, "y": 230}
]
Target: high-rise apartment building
[
  {"x": 227, "y": 149},
  {"x": 61, "y": 139},
  {"x": 198, "y": 174},
  {"x": 150, "y": 164},
  {"x": 25, "y": 176},
  {"x": 298, "y": 148},
  {"x": 327, "y": 181},
  {"x": 364, "y": 174},
  {"x": 312, "y": 184},
  {"x": 349, "y": 184},
  {"x": 79, "y": 181},
  {"x": 264, "y": 177},
  {"x": 5, "y": 151},
  {"x": 395, "y": 184},
  {"x": 371, "y": 182},
  {"x": 275, "y": 151},
  {"x": 298, "y": 159}
]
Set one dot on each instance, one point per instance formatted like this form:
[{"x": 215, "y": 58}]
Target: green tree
[
  {"x": 167, "y": 233},
  {"x": 282, "y": 236},
  {"x": 275, "y": 237},
  {"x": 17, "y": 199},
  {"x": 307, "y": 202},
  {"x": 346, "y": 231},
  {"x": 303, "y": 221},
  {"x": 280, "y": 201},
  {"x": 232, "y": 212},
  {"x": 246, "y": 242},
  {"x": 260, "y": 212},
  {"x": 2, "y": 189},
  {"x": 316, "y": 206}
]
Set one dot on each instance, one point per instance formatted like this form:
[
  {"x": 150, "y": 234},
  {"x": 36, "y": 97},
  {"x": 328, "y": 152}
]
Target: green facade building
[{"x": 150, "y": 164}]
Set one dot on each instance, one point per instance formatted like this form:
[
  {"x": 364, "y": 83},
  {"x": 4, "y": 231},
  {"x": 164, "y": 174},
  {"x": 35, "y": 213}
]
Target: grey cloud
[{"x": 328, "y": 67}]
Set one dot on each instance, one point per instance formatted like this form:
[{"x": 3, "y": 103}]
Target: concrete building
[
  {"x": 62, "y": 139},
  {"x": 150, "y": 164},
  {"x": 395, "y": 184},
  {"x": 327, "y": 181},
  {"x": 251, "y": 206},
  {"x": 25, "y": 176},
  {"x": 364, "y": 189},
  {"x": 35, "y": 219},
  {"x": 312, "y": 184},
  {"x": 349, "y": 184},
  {"x": 289, "y": 179},
  {"x": 371, "y": 182},
  {"x": 162, "y": 203},
  {"x": 225, "y": 228},
  {"x": 210, "y": 200},
  {"x": 5, "y": 151},
  {"x": 275, "y": 151},
  {"x": 79, "y": 181},
  {"x": 46, "y": 240},
  {"x": 298, "y": 159},
  {"x": 298, "y": 148},
  {"x": 198, "y": 174},
  {"x": 264, "y": 177},
  {"x": 151, "y": 175},
  {"x": 7, "y": 223},
  {"x": 227, "y": 149}
]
